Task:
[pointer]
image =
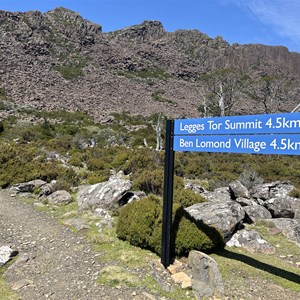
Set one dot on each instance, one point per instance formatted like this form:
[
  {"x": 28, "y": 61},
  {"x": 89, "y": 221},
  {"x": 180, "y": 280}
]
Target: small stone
[
  {"x": 183, "y": 279},
  {"x": 174, "y": 267}
]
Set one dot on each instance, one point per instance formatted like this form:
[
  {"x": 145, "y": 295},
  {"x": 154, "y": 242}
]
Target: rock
[
  {"x": 289, "y": 228},
  {"x": 60, "y": 197},
  {"x": 283, "y": 207},
  {"x": 28, "y": 187},
  {"x": 251, "y": 241},
  {"x": 6, "y": 254},
  {"x": 107, "y": 195},
  {"x": 175, "y": 266},
  {"x": 198, "y": 189},
  {"x": 78, "y": 224},
  {"x": 245, "y": 202},
  {"x": 281, "y": 189},
  {"x": 161, "y": 276},
  {"x": 206, "y": 277},
  {"x": 146, "y": 31},
  {"x": 261, "y": 191},
  {"x": 48, "y": 188},
  {"x": 106, "y": 219},
  {"x": 132, "y": 196},
  {"x": 226, "y": 215},
  {"x": 253, "y": 213},
  {"x": 238, "y": 190},
  {"x": 271, "y": 190},
  {"x": 219, "y": 194},
  {"x": 183, "y": 279}
]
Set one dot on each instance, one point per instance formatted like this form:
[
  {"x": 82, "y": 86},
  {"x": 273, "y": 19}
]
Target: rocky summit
[{"x": 60, "y": 61}]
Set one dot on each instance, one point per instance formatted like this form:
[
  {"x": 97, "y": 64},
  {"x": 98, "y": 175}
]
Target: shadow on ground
[{"x": 260, "y": 265}]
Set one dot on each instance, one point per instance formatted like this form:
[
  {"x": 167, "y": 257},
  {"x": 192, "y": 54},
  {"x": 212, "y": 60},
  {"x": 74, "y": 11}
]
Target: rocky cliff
[{"x": 58, "y": 60}]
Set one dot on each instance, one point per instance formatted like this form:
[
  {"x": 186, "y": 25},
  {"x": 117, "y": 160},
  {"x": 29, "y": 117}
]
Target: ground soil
[
  {"x": 53, "y": 261},
  {"x": 56, "y": 263}
]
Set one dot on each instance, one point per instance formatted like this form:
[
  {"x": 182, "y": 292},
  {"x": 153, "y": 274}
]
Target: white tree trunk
[
  {"x": 221, "y": 101},
  {"x": 158, "y": 134}
]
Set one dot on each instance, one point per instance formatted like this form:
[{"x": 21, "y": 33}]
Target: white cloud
[{"x": 282, "y": 15}]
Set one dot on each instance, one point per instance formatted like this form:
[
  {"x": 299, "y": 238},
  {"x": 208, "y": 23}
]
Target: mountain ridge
[{"x": 58, "y": 60}]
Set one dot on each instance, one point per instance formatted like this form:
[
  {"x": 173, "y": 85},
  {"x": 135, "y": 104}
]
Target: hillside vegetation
[{"x": 72, "y": 149}]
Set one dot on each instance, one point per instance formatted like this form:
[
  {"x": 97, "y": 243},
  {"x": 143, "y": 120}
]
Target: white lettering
[{"x": 191, "y": 128}]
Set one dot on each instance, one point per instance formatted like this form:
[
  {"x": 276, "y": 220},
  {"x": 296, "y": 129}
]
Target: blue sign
[
  {"x": 256, "y": 144},
  {"x": 251, "y": 124}
]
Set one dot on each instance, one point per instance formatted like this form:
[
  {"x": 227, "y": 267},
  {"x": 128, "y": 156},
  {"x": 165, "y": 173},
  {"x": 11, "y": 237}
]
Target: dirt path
[{"x": 53, "y": 261}]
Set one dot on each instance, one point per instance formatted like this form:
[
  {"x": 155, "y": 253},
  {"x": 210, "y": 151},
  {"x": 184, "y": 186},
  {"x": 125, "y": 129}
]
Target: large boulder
[
  {"x": 60, "y": 197},
  {"x": 6, "y": 254},
  {"x": 289, "y": 228},
  {"x": 206, "y": 277},
  {"x": 48, "y": 188},
  {"x": 255, "y": 212},
  {"x": 224, "y": 215},
  {"x": 28, "y": 187},
  {"x": 271, "y": 190},
  {"x": 251, "y": 241},
  {"x": 238, "y": 190},
  {"x": 219, "y": 194},
  {"x": 245, "y": 202},
  {"x": 107, "y": 195},
  {"x": 283, "y": 207},
  {"x": 196, "y": 188}
]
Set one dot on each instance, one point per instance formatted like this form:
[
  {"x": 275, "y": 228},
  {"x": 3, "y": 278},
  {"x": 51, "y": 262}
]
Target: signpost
[{"x": 254, "y": 134}]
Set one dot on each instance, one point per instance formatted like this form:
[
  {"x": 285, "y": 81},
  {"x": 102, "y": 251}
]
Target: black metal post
[{"x": 168, "y": 195}]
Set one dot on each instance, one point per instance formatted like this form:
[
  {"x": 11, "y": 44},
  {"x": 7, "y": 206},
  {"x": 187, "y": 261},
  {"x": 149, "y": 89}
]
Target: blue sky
[{"x": 269, "y": 22}]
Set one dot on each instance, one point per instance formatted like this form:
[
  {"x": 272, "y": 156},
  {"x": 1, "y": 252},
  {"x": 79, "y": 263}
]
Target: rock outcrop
[
  {"x": 108, "y": 195},
  {"x": 6, "y": 254},
  {"x": 224, "y": 215},
  {"x": 54, "y": 56},
  {"x": 229, "y": 208}
]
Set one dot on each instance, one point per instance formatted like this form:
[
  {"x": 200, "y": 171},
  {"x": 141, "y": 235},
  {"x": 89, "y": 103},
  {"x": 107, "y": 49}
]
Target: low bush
[
  {"x": 152, "y": 182},
  {"x": 140, "y": 223},
  {"x": 2, "y": 93},
  {"x": 187, "y": 198},
  {"x": 69, "y": 72},
  {"x": 295, "y": 193}
]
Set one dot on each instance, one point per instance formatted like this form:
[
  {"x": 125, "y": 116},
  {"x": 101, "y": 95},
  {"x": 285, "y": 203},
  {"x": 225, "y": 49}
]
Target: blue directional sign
[
  {"x": 257, "y": 144},
  {"x": 250, "y": 124}
]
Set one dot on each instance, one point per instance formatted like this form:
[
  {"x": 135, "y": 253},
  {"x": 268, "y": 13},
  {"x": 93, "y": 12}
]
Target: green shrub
[
  {"x": 67, "y": 179},
  {"x": 2, "y": 93},
  {"x": 97, "y": 177},
  {"x": 75, "y": 160},
  {"x": 140, "y": 223},
  {"x": 295, "y": 193},
  {"x": 152, "y": 182},
  {"x": 187, "y": 198},
  {"x": 69, "y": 72},
  {"x": 95, "y": 164},
  {"x": 137, "y": 220},
  {"x": 21, "y": 163},
  {"x": 142, "y": 159},
  {"x": 193, "y": 235},
  {"x": 157, "y": 96}
]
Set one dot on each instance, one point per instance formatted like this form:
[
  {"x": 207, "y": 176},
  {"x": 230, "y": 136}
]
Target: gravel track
[{"x": 53, "y": 261}]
